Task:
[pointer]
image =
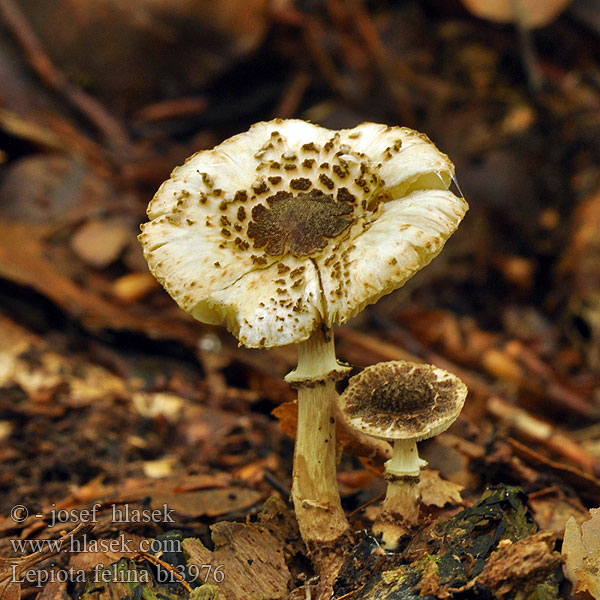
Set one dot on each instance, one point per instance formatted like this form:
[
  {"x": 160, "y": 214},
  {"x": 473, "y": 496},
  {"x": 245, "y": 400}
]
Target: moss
[
  {"x": 127, "y": 580},
  {"x": 467, "y": 540},
  {"x": 207, "y": 592},
  {"x": 547, "y": 590}
]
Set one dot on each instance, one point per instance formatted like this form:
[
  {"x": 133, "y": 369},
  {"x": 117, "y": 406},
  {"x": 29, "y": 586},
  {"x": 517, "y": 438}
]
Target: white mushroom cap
[
  {"x": 400, "y": 400},
  {"x": 290, "y": 225}
]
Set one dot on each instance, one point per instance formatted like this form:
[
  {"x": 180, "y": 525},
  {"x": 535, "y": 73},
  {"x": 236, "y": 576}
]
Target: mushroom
[
  {"x": 287, "y": 229},
  {"x": 403, "y": 403},
  {"x": 526, "y": 15}
]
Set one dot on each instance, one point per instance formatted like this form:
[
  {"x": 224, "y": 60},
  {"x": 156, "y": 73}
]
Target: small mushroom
[
  {"x": 287, "y": 229},
  {"x": 403, "y": 403},
  {"x": 526, "y": 15}
]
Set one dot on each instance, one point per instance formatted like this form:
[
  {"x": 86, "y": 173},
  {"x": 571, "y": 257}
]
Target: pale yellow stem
[
  {"x": 315, "y": 492},
  {"x": 400, "y": 509}
]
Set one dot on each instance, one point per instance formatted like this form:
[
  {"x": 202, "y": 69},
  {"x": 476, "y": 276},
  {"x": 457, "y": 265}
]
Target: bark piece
[
  {"x": 515, "y": 568},
  {"x": 250, "y": 559}
]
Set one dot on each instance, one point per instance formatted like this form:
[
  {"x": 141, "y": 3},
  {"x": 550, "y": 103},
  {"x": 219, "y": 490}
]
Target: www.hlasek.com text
[{"x": 120, "y": 545}]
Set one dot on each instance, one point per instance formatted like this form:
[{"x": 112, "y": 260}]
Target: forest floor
[{"x": 143, "y": 454}]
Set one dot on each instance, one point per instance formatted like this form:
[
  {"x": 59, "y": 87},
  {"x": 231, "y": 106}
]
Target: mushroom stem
[
  {"x": 315, "y": 492},
  {"x": 405, "y": 461},
  {"x": 400, "y": 509},
  {"x": 402, "y": 498}
]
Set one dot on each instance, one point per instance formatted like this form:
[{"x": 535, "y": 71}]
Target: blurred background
[{"x": 103, "y": 380}]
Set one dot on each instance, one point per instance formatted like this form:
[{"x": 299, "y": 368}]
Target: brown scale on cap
[
  {"x": 260, "y": 187},
  {"x": 343, "y": 195},
  {"x": 302, "y": 183},
  {"x": 326, "y": 181},
  {"x": 310, "y": 147}
]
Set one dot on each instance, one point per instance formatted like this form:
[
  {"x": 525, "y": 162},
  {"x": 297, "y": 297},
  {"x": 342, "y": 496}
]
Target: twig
[
  {"x": 313, "y": 33},
  {"x": 366, "y": 504},
  {"x": 165, "y": 565},
  {"x": 353, "y": 52},
  {"x": 350, "y": 594},
  {"x": 190, "y": 106},
  {"x": 50, "y": 74},
  {"x": 541, "y": 432},
  {"x": 395, "y": 73},
  {"x": 587, "y": 486},
  {"x": 293, "y": 93},
  {"x": 277, "y": 485},
  {"x": 368, "y": 31}
]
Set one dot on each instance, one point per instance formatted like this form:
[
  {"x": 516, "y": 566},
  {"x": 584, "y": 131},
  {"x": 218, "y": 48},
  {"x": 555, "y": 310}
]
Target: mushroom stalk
[
  {"x": 405, "y": 460},
  {"x": 400, "y": 509},
  {"x": 315, "y": 492},
  {"x": 402, "y": 498}
]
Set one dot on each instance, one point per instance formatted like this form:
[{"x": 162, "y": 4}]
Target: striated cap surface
[
  {"x": 290, "y": 225},
  {"x": 400, "y": 400}
]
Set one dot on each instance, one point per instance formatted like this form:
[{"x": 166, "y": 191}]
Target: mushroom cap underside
[
  {"x": 290, "y": 225},
  {"x": 403, "y": 400},
  {"x": 530, "y": 13}
]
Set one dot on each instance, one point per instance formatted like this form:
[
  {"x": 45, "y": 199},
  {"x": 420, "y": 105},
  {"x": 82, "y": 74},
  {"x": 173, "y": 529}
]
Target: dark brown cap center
[
  {"x": 403, "y": 399},
  {"x": 300, "y": 224}
]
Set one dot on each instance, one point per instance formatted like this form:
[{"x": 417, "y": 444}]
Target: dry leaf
[
  {"x": 436, "y": 491},
  {"x": 23, "y": 259},
  {"x": 209, "y": 503},
  {"x": 46, "y": 189},
  {"x": 251, "y": 561},
  {"x": 552, "y": 508},
  {"x": 99, "y": 243},
  {"x": 134, "y": 287}
]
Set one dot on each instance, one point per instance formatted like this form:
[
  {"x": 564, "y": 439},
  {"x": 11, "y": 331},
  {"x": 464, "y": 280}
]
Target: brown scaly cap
[
  {"x": 290, "y": 226},
  {"x": 403, "y": 400}
]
